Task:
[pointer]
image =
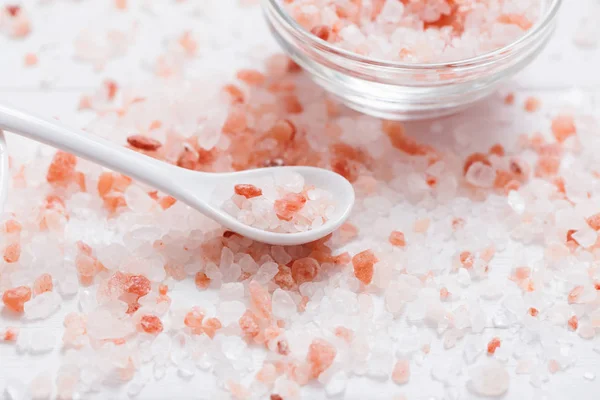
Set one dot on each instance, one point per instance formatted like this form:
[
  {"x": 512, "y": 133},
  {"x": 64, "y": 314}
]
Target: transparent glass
[{"x": 404, "y": 91}]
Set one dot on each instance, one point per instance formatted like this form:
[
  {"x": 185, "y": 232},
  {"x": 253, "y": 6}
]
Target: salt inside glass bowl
[{"x": 406, "y": 91}]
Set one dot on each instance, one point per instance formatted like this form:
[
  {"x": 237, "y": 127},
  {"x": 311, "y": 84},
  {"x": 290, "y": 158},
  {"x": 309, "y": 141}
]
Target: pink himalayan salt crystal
[
  {"x": 283, "y": 347},
  {"x": 594, "y": 222},
  {"x": 267, "y": 374},
  {"x": 238, "y": 391},
  {"x": 75, "y": 330},
  {"x": 497, "y": 149},
  {"x": 12, "y": 226},
  {"x": 30, "y": 60},
  {"x": 344, "y": 333},
  {"x": 284, "y": 278},
  {"x": 401, "y": 372},
  {"x": 249, "y": 324},
  {"x": 321, "y": 31},
  {"x": 12, "y": 253},
  {"x": 532, "y": 104},
  {"x": 320, "y": 356},
  {"x": 16, "y": 298},
  {"x": 466, "y": 259},
  {"x": 248, "y": 191},
  {"x": 573, "y": 323},
  {"x": 493, "y": 345},
  {"x": 289, "y": 205},
  {"x": 397, "y": 239},
  {"x": 304, "y": 270},
  {"x": 121, "y": 4},
  {"x": 553, "y": 366},
  {"x": 574, "y": 294},
  {"x": 202, "y": 281},
  {"x": 347, "y": 232},
  {"x": 563, "y": 127},
  {"x": 509, "y": 99},
  {"x": 143, "y": 143},
  {"x": 151, "y": 324},
  {"x": 62, "y": 169},
  {"x": 260, "y": 299},
  {"x": 10, "y": 334},
  {"x": 188, "y": 44},
  {"x": 251, "y": 77},
  {"x": 42, "y": 284},
  {"x": 547, "y": 166},
  {"x": 363, "y": 263},
  {"x": 193, "y": 319},
  {"x": 444, "y": 294},
  {"x": 533, "y": 311},
  {"x": 211, "y": 326}
]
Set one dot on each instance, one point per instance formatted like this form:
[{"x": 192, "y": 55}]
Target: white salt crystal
[
  {"x": 590, "y": 376},
  {"x": 87, "y": 300},
  {"x": 68, "y": 285},
  {"x": 489, "y": 379},
  {"x": 337, "y": 384},
  {"x": 42, "y": 341},
  {"x": 16, "y": 390},
  {"x": 23, "y": 341},
  {"x": 231, "y": 291},
  {"x": 135, "y": 387},
  {"x": 408, "y": 344},
  {"x": 516, "y": 202},
  {"x": 473, "y": 347},
  {"x": 186, "y": 369},
  {"x": 392, "y": 12},
  {"x": 289, "y": 181},
  {"x": 138, "y": 200},
  {"x": 352, "y": 35},
  {"x": 463, "y": 278},
  {"x": 283, "y": 304},
  {"x": 42, "y": 305},
  {"x": 230, "y": 312},
  {"x": 266, "y": 272}
]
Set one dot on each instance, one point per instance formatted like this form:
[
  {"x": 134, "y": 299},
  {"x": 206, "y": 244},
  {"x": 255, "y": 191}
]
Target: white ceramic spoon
[{"x": 193, "y": 188}]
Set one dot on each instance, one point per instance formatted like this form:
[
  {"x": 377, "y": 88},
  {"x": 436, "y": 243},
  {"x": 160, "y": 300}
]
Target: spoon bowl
[{"x": 196, "y": 189}]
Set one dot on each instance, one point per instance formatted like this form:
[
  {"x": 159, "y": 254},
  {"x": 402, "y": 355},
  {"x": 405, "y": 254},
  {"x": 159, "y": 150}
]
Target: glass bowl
[{"x": 403, "y": 91}]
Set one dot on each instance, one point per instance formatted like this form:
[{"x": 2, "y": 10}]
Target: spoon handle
[{"x": 155, "y": 173}]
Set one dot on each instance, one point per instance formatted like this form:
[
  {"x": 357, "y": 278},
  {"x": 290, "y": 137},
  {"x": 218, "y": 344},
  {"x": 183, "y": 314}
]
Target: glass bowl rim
[{"x": 541, "y": 25}]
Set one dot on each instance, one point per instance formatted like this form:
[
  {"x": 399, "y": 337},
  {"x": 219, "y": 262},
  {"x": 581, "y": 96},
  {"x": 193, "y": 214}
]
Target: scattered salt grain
[
  {"x": 42, "y": 306},
  {"x": 590, "y": 376},
  {"x": 489, "y": 379}
]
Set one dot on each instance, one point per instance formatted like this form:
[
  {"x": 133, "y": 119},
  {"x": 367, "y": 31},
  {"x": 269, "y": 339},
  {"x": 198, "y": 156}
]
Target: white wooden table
[{"x": 563, "y": 72}]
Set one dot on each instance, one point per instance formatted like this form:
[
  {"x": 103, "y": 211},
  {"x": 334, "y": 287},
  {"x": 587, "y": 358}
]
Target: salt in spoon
[{"x": 194, "y": 188}]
